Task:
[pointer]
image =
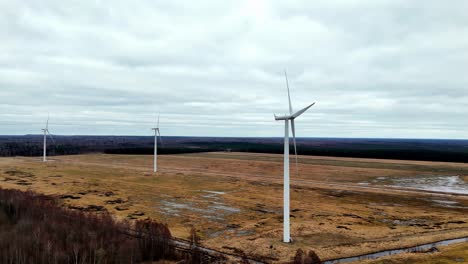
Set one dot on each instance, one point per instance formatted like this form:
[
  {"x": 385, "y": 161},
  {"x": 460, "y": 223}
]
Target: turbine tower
[
  {"x": 156, "y": 135},
  {"x": 46, "y": 132},
  {"x": 288, "y": 117}
]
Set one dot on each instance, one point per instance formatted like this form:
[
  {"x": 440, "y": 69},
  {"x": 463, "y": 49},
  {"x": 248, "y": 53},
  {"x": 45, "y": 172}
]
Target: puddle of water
[
  {"x": 176, "y": 205},
  {"x": 231, "y": 231},
  {"x": 213, "y": 217},
  {"x": 216, "y": 233},
  {"x": 215, "y": 192},
  {"x": 209, "y": 205},
  {"x": 173, "y": 208},
  {"x": 437, "y": 183},
  {"x": 421, "y": 248},
  {"x": 449, "y": 204},
  {"x": 225, "y": 209},
  {"x": 405, "y": 222},
  {"x": 445, "y": 202}
]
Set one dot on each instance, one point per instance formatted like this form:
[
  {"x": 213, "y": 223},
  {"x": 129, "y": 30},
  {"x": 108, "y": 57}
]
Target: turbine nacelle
[
  {"x": 283, "y": 117},
  {"x": 157, "y": 135},
  {"x": 293, "y": 116},
  {"x": 46, "y": 132}
]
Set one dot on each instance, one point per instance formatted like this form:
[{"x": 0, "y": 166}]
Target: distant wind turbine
[
  {"x": 287, "y": 118},
  {"x": 46, "y": 131},
  {"x": 156, "y": 135}
]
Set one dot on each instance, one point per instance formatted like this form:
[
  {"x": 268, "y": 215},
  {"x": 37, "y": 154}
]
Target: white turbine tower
[
  {"x": 287, "y": 118},
  {"x": 46, "y": 131},
  {"x": 156, "y": 135}
]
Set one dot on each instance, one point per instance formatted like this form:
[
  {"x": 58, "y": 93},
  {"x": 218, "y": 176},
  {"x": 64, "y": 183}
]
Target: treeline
[
  {"x": 401, "y": 152},
  {"x": 34, "y": 149},
  {"x": 32, "y": 145},
  {"x": 404, "y": 149},
  {"x": 34, "y": 228}
]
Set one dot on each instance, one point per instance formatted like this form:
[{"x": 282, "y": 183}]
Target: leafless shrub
[
  {"x": 34, "y": 228},
  {"x": 302, "y": 257},
  {"x": 154, "y": 240}
]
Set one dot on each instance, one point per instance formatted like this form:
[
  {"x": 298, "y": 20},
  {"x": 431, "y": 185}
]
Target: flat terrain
[{"x": 339, "y": 206}]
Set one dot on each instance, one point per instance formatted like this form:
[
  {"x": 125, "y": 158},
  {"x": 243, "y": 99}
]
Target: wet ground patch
[
  {"x": 19, "y": 177},
  {"x": 69, "y": 196},
  {"x": 88, "y": 208},
  {"x": 135, "y": 215},
  {"x": 121, "y": 208},
  {"x": 23, "y": 182},
  {"x": 435, "y": 183},
  {"x": 209, "y": 205},
  {"x": 262, "y": 209},
  {"x": 116, "y": 201},
  {"x": 18, "y": 173}
]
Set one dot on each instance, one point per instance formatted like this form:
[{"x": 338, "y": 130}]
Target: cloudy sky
[{"x": 375, "y": 68}]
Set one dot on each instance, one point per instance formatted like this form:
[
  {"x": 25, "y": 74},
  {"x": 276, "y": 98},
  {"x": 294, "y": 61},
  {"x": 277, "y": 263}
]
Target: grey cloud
[{"x": 375, "y": 68}]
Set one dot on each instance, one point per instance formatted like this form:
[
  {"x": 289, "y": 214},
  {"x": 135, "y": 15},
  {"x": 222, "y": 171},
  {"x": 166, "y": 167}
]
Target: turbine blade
[
  {"x": 159, "y": 136},
  {"x": 293, "y": 128},
  {"x": 51, "y": 137},
  {"x": 47, "y": 122},
  {"x": 289, "y": 96},
  {"x": 298, "y": 113},
  {"x": 158, "y": 121}
]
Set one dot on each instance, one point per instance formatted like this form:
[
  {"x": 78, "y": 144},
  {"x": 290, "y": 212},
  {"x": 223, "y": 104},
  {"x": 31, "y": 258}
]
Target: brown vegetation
[
  {"x": 304, "y": 257},
  {"x": 234, "y": 200},
  {"x": 35, "y": 229}
]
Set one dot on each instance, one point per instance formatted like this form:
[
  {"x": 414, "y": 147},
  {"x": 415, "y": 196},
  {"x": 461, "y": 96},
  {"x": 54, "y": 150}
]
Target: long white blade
[
  {"x": 47, "y": 123},
  {"x": 289, "y": 96},
  {"x": 158, "y": 122},
  {"x": 50, "y": 135},
  {"x": 159, "y": 136},
  {"x": 298, "y": 113},
  {"x": 293, "y": 128}
]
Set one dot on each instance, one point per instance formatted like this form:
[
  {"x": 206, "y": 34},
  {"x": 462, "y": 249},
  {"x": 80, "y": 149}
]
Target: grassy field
[{"x": 339, "y": 206}]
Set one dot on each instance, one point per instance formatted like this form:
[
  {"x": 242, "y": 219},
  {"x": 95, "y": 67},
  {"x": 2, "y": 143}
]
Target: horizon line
[{"x": 240, "y": 137}]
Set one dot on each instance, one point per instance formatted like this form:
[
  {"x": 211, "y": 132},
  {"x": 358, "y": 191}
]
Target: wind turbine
[
  {"x": 156, "y": 135},
  {"x": 46, "y": 131},
  {"x": 287, "y": 118}
]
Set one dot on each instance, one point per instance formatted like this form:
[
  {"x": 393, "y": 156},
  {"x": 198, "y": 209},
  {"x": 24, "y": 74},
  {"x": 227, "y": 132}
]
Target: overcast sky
[{"x": 394, "y": 68}]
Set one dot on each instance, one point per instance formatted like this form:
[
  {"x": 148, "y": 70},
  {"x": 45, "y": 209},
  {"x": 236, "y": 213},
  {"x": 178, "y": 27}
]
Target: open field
[{"x": 340, "y": 206}]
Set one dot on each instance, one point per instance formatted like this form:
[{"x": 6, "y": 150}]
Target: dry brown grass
[{"x": 332, "y": 214}]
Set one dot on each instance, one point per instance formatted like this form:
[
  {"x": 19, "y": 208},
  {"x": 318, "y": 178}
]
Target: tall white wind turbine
[
  {"x": 46, "y": 132},
  {"x": 156, "y": 135},
  {"x": 287, "y": 118}
]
